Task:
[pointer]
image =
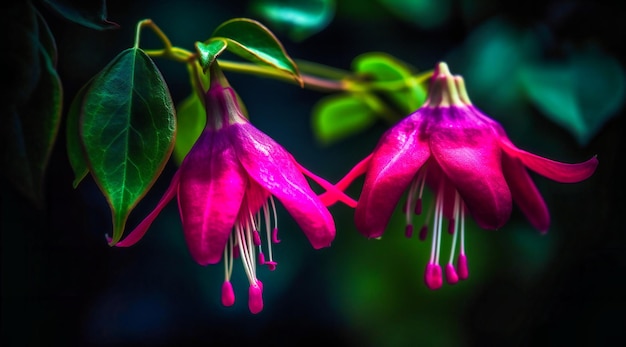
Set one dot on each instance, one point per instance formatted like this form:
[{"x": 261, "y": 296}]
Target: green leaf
[
  {"x": 209, "y": 51},
  {"x": 253, "y": 41},
  {"x": 299, "y": 19},
  {"x": 128, "y": 131},
  {"x": 580, "y": 94},
  {"x": 384, "y": 67},
  {"x": 74, "y": 146},
  {"x": 91, "y": 14},
  {"x": 191, "y": 119},
  {"x": 339, "y": 116},
  {"x": 32, "y": 108}
]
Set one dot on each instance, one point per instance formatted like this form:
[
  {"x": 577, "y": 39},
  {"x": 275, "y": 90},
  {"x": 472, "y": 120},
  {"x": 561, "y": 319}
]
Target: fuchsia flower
[
  {"x": 226, "y": 187},
  {"x": 469, "y": 163}
]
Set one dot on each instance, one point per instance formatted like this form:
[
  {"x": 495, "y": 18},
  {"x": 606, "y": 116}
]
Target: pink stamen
[
  {"x": 462, "y": 268},
  {"x": 261, "y": 258},
  {"x": 228, "y": 295},
  {"x": 271, "y": 265},
  {"x": 256, "y": 238},
  {"x": 433, "y": 277},
  {"x": 423, "y": 232},
  {"x": 418, "y": 206},
  {"x": 408, "y": 231},
  {"x": 275, "y": 236},
  {"x": 255, "y": 297},
  {"x": 451, "y": 276}
]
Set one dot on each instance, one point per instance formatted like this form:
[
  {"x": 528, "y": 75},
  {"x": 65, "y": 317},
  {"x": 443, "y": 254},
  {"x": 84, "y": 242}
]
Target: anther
[
  {"x": 432, "y": 276},
  {"x": 275, "y": 236},
  {"x": 418, "y": 206},
  {"x": 271, "y": 265},
  {"x": 228, "y": 295},
  {"x": 451, "y": 275},
  {"x": 423, "y": 232},
  {"x": 408, "y": 231},
  {"x": 256, "y": 237},
  {"x": 462, "y": 268},
  {"x": 255, "y": 297}
]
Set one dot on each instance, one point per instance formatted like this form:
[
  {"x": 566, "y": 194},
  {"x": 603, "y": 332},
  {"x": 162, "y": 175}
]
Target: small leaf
[
  {"x": 91, "y": 14},
  {"x": 128, "y": 131},
  {"x": 581, "y": 94},
  {"x": 336, "y": 117},
  {"x": 191, "y": 119},
  {"x": 31, "y": 100},
  {"x": 251, "y": 40},
  {"x": 75, "y": 151},
  {"x": 299, "y": 19},
  {"x": 384, "y": 67},
  {"x": 209, "y": 51}
]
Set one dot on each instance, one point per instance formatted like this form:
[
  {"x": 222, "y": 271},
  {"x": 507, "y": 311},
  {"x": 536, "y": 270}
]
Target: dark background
[{"x": 62, "y": 285}]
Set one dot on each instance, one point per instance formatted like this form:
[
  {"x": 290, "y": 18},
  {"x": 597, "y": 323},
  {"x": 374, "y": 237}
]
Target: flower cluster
[
  {"x": 228, "y": 184},
  {"x": 469, "y": 163}
]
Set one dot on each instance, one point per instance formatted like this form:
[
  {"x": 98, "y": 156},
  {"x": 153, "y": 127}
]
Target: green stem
[{"x": 315, "y": 76}]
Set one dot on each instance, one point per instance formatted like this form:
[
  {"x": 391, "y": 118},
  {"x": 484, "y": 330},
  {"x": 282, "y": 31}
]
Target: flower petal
[
  {"x": 554, "y": 170},
  {"x": 212, "y": 187},
  {"x": 525, "y": 193},
  {"x": 140, "y": 230},
  {"x": 274, "y": 169},
  {"x": 396, "y": 159},
  {"x": 471, "y": 158}
]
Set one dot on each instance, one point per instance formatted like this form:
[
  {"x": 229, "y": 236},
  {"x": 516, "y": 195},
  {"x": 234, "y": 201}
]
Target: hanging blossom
[
  {"x": 226, "y": 187},
  {"x": 470, "y": 165}
]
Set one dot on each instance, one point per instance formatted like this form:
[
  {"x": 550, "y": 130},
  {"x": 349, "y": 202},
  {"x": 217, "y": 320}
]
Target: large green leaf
[
  {"x": 31, "y": 112},
  {"x": 336, "y": 117},
  {"x": 91, "y": 14},
  {"x": 128, "y": 130},
  {"x": 299, "y": 19},
  {"x": 580, "y": 94},
  {"x": 384, "y": 67},
  {"x": 191, "y": 118},
  {"x": 253, "y": 41}
]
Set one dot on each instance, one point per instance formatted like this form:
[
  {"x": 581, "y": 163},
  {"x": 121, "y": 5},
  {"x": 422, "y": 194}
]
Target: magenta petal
[
  {"x": 398, "y": 156},
  {"x": 212, "y": 187},
  {"x": 471, "y": 159},
  {"x": 141, "y": 229},
  {"x": 525, "y": 193},
  {"x": 272, "y": 167},
  {"x": 554, "y": 170}
]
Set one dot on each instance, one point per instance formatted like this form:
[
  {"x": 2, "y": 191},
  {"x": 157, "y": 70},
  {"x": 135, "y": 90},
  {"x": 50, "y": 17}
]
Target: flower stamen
[{"x": 432, "y": 275}]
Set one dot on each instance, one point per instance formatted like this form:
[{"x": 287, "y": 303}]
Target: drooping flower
[
  {"x": 226, "y": 187},
  {"x": 468, "y": 162}
]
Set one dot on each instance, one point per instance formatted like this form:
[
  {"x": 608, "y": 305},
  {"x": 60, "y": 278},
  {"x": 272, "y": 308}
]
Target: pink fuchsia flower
[
  {"x": 469, "y": 163},
  {"x": 226, "y": 187}
]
